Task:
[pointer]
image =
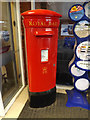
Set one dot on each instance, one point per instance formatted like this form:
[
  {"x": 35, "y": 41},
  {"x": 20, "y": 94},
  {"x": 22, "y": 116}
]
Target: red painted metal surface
[
  {"x": 41, "y": 30},
  {"x": 41, "y": 12}
]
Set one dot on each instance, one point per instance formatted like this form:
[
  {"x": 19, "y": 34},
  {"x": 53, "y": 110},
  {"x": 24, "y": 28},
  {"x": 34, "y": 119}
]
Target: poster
[{"x": 67, "y": 30}]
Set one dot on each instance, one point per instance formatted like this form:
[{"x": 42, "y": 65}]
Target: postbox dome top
[{"x": 41, "y": 12}]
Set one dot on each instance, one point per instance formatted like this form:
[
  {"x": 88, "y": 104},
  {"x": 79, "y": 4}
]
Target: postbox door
[{"x": 42, "y": 57}]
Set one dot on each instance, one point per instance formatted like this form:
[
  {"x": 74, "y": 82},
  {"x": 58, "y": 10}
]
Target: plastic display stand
[{"x": 79, "y": 65}]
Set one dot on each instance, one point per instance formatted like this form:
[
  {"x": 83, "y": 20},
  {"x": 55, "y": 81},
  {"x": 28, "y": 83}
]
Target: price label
[
  {"x": 82, "y": 29},
  {"x": 83, "y": 50},
  {"x": 85, "y": 65},
  {"x": 82, "y": 84},
  {"x": 76, "y": 71}
]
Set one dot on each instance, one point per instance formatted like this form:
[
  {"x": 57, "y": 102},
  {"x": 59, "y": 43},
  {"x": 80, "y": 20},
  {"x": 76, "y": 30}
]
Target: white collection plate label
[{"x": 44, "y": 55}]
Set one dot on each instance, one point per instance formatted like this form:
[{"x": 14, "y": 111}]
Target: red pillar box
[{"x": 41, "y": 30}]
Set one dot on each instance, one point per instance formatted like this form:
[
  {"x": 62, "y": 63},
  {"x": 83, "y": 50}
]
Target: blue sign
[{"x": 76, "y": 12}]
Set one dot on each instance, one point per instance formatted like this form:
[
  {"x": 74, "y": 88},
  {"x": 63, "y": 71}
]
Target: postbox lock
[{"x": 54, "y": 65}]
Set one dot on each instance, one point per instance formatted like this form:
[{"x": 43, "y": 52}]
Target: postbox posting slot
[{"x": 43, "y": 33}]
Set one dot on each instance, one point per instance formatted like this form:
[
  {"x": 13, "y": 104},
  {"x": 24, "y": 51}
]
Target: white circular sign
[
  {"x": 82, "y": 84},
  {"x": 87, "y": 9},
  {"x": 83, "y": 50},
  {"x": 84, "y": 65},
  {"x": 82, "y": 29},
  {"x": 76, "y": 72}
]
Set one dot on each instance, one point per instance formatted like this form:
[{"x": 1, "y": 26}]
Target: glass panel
[{"x": 11, "y": 78}]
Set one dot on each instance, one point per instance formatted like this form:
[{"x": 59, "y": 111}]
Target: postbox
[{"x": 41, "y": 31}]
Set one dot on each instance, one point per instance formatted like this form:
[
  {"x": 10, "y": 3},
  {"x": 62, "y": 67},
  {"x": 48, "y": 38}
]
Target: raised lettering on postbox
[{"x": 34, "y": 23}]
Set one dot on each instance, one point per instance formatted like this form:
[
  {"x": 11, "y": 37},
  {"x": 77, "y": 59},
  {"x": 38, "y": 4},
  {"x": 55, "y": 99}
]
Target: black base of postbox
[{"x": 42, "y": 99}]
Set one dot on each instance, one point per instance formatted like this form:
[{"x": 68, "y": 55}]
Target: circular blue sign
[{"x": 76, "y": 12}]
